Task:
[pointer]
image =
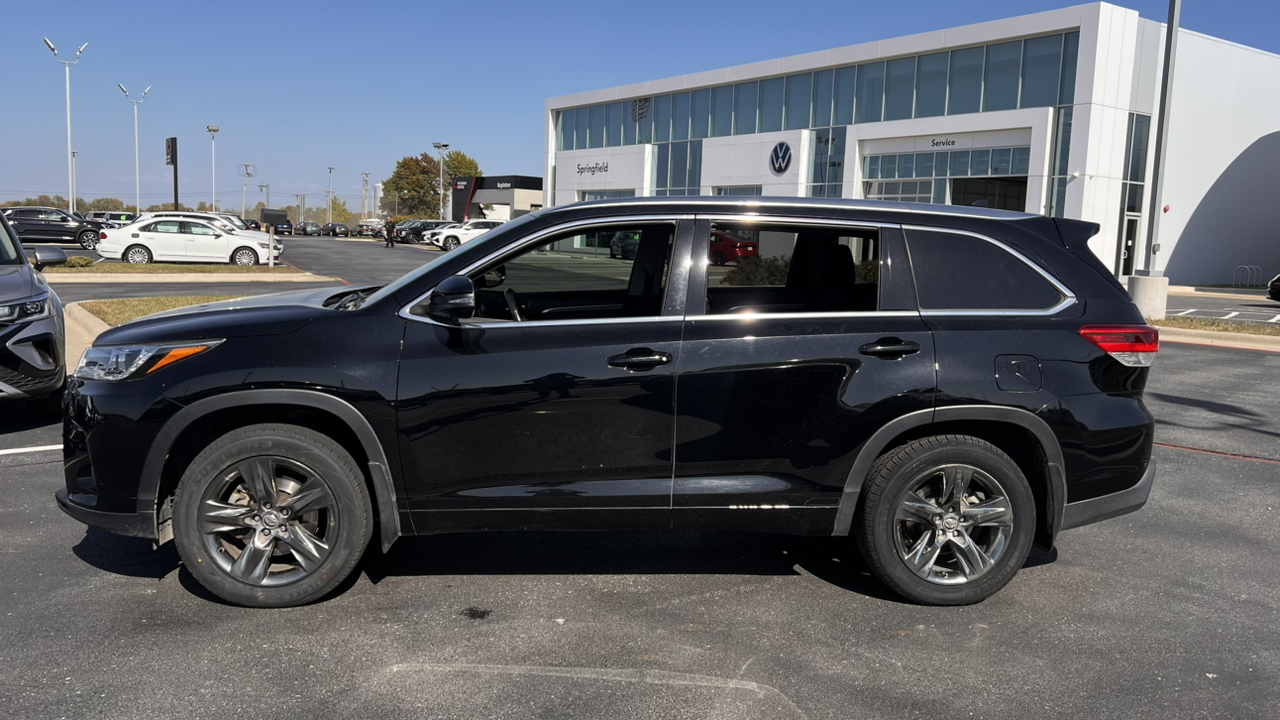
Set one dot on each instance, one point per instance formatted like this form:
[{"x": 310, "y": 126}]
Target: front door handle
[
  {"x": 639, "y": 359},
  {"x": 890, "y": 348}
]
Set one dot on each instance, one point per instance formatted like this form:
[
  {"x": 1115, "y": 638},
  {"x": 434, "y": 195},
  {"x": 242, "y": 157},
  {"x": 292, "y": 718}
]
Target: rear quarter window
[{"x": 963, "y": 272}]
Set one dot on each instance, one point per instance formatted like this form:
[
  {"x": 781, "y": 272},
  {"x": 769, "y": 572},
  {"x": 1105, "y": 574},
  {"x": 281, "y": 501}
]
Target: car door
[
  {"x": 204, "y": 243},
  {"x": 25, "y": 222},
  {"x": 789, "y": 364},
  {"x": 164, "y": 239},
  {"x": 564, "y": 418}
]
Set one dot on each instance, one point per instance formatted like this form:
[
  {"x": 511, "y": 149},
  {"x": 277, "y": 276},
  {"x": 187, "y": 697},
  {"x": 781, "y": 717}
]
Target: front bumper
[
  {"x": 135, "y": 524},
  {"x": 1087, "y": 512},
  {"x": 32, "y": 357}
]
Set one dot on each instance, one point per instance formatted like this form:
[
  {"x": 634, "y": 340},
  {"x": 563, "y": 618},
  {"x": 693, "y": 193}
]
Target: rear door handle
[
  {"x": 639, "y": 359},
  {"x": 890, "y": 348}
]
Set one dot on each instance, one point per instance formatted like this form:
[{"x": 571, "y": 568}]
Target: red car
[{"x": 726, "y": 247}]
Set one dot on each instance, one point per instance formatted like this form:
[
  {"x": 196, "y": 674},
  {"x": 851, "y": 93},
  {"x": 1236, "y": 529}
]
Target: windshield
[
  {"x": 8, "y": 248},
  {"x": 412, "y": 276},
  {"x": 235, "y": 221}
]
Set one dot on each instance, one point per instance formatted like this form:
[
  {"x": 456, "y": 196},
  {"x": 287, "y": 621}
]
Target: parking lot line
[
  {"x": 1230, "y": 315},
  {"x": 38, "y": 448},
  {"x": 1274, "y": 319},
  {"x": 1186, "y": 312}
]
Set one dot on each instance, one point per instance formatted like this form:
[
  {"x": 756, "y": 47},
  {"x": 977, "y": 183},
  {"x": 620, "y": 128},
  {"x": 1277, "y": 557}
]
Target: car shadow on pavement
[{"x": 134, "y": 557}]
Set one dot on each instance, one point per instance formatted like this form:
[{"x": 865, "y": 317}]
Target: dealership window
[
  {"x": 680, "y": 111},
  {"x": 964, "y": 89},
  {"x": 564, "y": 130},
  {"x": 771, "y": 96},
  {"x": 1070, "y": 50},
  {"x": 595, "y": 138},
  {"x": 722, "y": 111},
  {"x": 1000, "y": 88},
  {"x": 899, "y": 88},
  {"x": 799, "y": 101},
  {"x": 701, "y": 113},
  {"x": 925, "y": 169},
  {"x": 1041, "y": 70},
  {"x": 777, "y": 267},
  {"x": 740, "y": 191},
  {"x": 613, "y": 127},
  {"x": 846, "y": 88},
  {"x": 822, "y": 98},
  {"x": 586, "y": 195},
  {"x": 826, "y": 172},
  {"x": 662, "y": 119},
  {"x": 870, "y": 93},
  {"x": 581, "y": 121},
  {"x": 931, "y": 85},
  {"x": 745, "y": 107},
  {"x": 678, "y": 169}
]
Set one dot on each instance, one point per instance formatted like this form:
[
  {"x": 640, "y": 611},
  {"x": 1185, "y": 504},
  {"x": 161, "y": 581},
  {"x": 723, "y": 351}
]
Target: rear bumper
[
  {"x": 135, "y": 524},
  {"x": 1087, "y": 512}
]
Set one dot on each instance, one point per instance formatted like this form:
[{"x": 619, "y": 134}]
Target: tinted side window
[
  {"x": 164, "y": 226},
  {"x": 962, "y": 272}
]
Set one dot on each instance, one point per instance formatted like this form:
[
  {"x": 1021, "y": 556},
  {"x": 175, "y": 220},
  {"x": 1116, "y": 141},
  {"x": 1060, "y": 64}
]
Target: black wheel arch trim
[
  {"x": 379, "y": 469},
  {"x": 879, "y": 442}
]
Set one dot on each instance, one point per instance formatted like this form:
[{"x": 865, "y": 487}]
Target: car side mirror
[
  {"x": 493, "y": 278},
  {"x": 453, "y": 300},
  {"x": 46, "y": 256},
  {"x": 217, "y": 235}
]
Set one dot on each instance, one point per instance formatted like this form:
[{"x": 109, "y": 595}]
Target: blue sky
[{"x": 297, "y": 87}]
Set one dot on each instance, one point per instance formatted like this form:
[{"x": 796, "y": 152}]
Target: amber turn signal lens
[{"x": 176, "y": 354}]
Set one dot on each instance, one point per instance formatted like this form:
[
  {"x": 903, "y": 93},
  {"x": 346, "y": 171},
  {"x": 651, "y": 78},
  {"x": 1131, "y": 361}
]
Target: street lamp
[
  {"x": 67, "y": 64},
  {"x": 137, "y": 172},
  {"x": 73, "y": 178},
  {"x": 330, "y": 196},
  {"x": 440, "y": 148},
  {"x": 267, "y": 188},
  {"x": 213, "y": 138}
]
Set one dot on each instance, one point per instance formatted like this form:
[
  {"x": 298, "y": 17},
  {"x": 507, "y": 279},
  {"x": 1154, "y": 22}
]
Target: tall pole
[
  {"x": 137, "y": 167},
  {"x": 330, "y": 196},
  {"x": 1162, "y": 136},
  {"x": 70, "y": 163},
  {"x": 248, "y": 170},
  {"x": 73, "y": 181},
  {"x": 364, "y": 197},
  {"x": 213, "y": 137},
  {"x": 440, "y": 148},
  {"x": 267, "y": 187}
]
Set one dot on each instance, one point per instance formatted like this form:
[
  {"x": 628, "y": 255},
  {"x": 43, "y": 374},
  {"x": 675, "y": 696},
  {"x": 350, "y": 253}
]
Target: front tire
[
  {"x": 450, "y": 243},
  {"x": 945, "y": 520},
  {"x": 137, "y": 255},
  {"x": 272, "y": 516},
  {"x": 244, "y": 257}
]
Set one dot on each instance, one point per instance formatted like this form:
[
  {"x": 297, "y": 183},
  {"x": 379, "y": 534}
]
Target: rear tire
[
  {"x": 137, "y": 255},
  {"x": 717, "y": 258},
  {"x": 945, "y": 520},
  {"x": 88, "y": 239},
  {"x": 233, "y": 524},
  {"x": 450, "y": 243}
]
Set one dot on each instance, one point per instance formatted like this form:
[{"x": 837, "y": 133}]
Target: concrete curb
[
  {"x": 1214, "y": 338},
  {"x": 83, "y": 327},
  {"x": 195, "y": 278}
]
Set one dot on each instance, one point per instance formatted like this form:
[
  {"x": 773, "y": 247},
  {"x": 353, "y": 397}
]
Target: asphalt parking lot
[
  {"x": 1170, "y": 612},
  {"x": 1261, "y": 309}
]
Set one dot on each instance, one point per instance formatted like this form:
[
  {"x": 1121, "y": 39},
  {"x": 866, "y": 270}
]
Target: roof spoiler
[{"x": 1075, "y": 235}]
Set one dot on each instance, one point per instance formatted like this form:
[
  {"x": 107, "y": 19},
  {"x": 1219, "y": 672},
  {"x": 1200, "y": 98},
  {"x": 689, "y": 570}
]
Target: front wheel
[
  {"x": 272, "y": 516},
  {"x": 450, "y": 243},
  {"x": 244, "y": 257},
  {"x": 946, "y": 520},
  {"x": 138, "y": 255},
  {"x": 88, "y": 239}
]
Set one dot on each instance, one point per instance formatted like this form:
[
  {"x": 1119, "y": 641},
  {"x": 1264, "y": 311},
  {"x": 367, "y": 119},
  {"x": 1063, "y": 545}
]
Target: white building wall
[{"x": 1221, "y": 163}]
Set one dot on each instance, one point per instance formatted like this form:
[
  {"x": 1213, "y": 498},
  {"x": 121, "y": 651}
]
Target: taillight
[
  {"x": 1132, "y": 345},
  {"x": 102, "y": 236}
]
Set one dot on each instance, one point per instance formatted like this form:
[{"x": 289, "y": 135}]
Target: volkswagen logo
[{"x": 780, "y": 158}]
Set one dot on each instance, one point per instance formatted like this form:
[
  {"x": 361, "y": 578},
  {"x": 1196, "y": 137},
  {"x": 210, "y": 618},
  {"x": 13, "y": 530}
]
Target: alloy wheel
[
  {"x": 952, "y": 524},
  {"x": 138, "y": 256},
  {"x": 268, "y": 521},
  {"x": 88, "y": 239},
  {"x": 245, "y": 257}
]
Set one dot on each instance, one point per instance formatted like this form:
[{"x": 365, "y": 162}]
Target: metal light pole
[
  {"x": 364, "y": 197},
  {"x": 73, "y": 181},
  {"x": 213, "y": 138},
  {"x": 267, "y": 187},
  {"x": 330, "y": 196},
  {"x": 440, "y": 148},
  {"x": 70, "y": 163},
  {"x": 137, "y": 171},
  {"x": 248, "y": 170}
]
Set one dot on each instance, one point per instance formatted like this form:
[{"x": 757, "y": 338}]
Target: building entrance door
[
  {"x": 1003, "y": 193},
  {"x": 1127, "y": 245}
]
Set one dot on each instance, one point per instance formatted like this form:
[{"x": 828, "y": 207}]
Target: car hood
[
  {"x": 16, "y": 282},
  {"x": 273, "y": 314}
]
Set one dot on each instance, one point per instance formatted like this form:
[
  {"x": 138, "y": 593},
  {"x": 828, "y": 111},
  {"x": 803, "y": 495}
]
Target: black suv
[
  {"x": 46, "y": 224},
  {"x": 941, "y": 387}
]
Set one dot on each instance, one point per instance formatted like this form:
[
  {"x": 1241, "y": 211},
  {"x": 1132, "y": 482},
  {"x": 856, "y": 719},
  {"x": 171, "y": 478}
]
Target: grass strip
[
  {"x": 151, "y": 268},
  {"x": 1193, "y": 323},
  {"x": 121, "y": 310}
]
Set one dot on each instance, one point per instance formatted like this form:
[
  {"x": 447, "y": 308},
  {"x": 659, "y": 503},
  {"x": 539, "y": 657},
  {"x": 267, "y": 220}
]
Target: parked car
[
  {"x": 417, "y": 231},
  {"x": 727, "y": 248},
  {"x": 46, "y": 224},
  {"x": 624, "y": 245},
  {"x": 115, "y": 217},
  {"x": 252, "y": 224},
  {"x": 229, "y": 224},
  {"x": 365, "y": 229},
  {"x": 468, "y": 231},
  {"x": 1273, "y": 288},
  {"x": 306, "y": 228},
  {"x": 335, "y": 229},
  {"x": 183, "y": 240},
  {"x": 32, "y": 334},
  {"x": 432, "y": 237},
  {"x": 979, "y": 393}
]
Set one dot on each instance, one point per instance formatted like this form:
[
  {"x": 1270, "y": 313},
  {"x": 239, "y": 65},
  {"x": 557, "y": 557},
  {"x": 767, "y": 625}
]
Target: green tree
[
  {"x": 459, "y": 164},
  {"x": 413, "y": 188}
]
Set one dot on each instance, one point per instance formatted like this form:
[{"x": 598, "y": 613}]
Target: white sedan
[
  {"x": 181, "y": 240},
  {"x": 451, "y": 238}
]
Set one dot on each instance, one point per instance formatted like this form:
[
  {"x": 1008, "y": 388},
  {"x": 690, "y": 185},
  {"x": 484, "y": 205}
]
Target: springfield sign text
[{"x": 593, "y": 169}]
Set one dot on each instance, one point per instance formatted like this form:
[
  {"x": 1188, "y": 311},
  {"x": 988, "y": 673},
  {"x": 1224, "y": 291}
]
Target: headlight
[
  {"x": 121, "y": 362},
  {"x": 262, "y": 245},
  {"x": 33, "y": 308}
]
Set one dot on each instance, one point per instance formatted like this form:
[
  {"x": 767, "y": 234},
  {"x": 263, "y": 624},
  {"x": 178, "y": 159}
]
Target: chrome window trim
[
  {"x": 1068, "y": 297},
  {"x": 532, "y": 240},
  {"x": 765, "y": 219},
  {"x": 953, "y": 211},
  {"x": 529, "y": 324},
  {"x": 804, "y": 315}
]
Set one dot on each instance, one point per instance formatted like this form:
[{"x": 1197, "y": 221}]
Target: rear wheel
[
  {"x": 717, "y": 258},
  {"x": 946, "y": 520},
  {"x": 88, "y": 239},
  {"x": 137, "y": 254},
  {"x": 272, "y": 516},
  {"x": 244, "y": 256}
]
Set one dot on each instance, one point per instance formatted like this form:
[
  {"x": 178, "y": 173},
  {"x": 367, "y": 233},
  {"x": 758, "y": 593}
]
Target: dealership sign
[
  {"x": 780, "y": 158},
  {"x": 593, "y": 168}
]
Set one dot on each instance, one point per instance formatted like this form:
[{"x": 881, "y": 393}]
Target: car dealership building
[{"x": 1049, "y": 113}]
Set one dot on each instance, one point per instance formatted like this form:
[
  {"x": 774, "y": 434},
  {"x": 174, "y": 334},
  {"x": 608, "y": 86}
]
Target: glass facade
[
  {"x": 1036, "y": 72},
  {"x": 922, "y": 177}
]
